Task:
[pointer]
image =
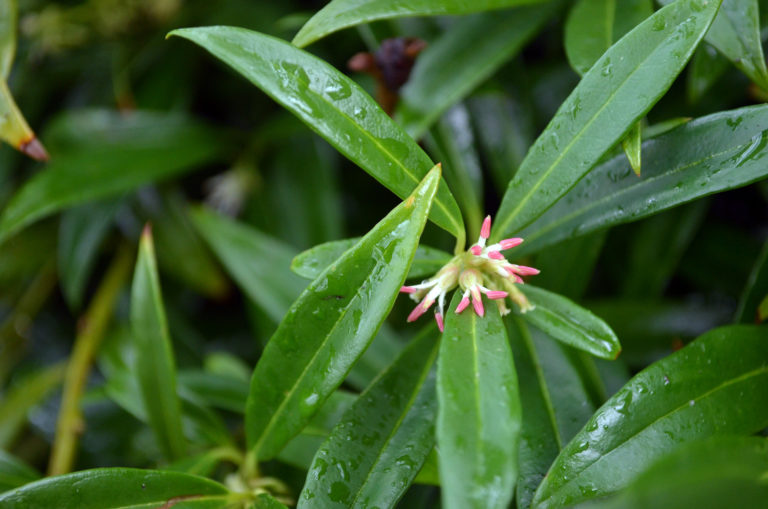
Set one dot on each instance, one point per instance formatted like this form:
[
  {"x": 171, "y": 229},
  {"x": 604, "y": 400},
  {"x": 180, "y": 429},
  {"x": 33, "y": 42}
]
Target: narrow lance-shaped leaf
[
  {"x": 479, "y": 417},
  {"x": 14, "y": 472},
  {"x": 570, "y": 323},
  {"x": 8, "y": 20},
  {"x": 339, "y": 14},
  {"x": 603, "y": 107},
  {"x": 736, "y": 34},
  {"x": 718, "y": 473},
  {"x": 717, "y": 385},
  {"x": 310, "y": 263},
  {"x": 755, "y": 290},
  {"x": 381, "y": 442},
  {"x": 115, "y": 488},
  {"x": 449, "y": 68},
  {"x": 715, "y": 153},
  {"x": 110, "y": 153},
  {"x": 154, "y": 364},
  {"x": 331, "y": 324},
  {"x": 332, "y": 105},
  {"x": 555, "y": 400}
]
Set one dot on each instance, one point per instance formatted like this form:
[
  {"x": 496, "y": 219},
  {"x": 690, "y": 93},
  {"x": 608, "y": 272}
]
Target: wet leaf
[
  {"x": 310, "y": 263},
  {"x": 570, "y": 323},
  {"x": 707, "y": 155},
  {"x": 381, "y": 442},
  {"x": 14, "y": 472},
  {"x": 717, "y": 385},
  {"x": 117, "y": 488},
  {"x": 339, "y": 14},
  {"x": 154, "y": 364},
  {"x": 602, "y": 108},
  {"x": 479, "y": 417},
  {"x": 332, "y": 105},
  {"x": 449, "y": 69},
  {"x": 340, "y": 311}
]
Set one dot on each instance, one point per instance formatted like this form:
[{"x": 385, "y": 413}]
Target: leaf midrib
[{"x": 577, "y": 137}]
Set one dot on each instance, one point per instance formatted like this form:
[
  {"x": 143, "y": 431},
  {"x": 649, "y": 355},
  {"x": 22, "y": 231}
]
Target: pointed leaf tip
[{"x": 34, "y": 149}]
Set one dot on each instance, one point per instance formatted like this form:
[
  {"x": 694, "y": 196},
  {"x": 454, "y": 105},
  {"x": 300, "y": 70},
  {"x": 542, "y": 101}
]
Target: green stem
[{"x": 91, "y": 330}]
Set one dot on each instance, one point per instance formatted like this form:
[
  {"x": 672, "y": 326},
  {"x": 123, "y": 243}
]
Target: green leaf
[
  {"x": 332, "y": 105},
  {"x": 339, "y": 14},
  {"x": 555, "y": 400},
  {"x": 107, "y": 154},
  {"x": 81, "y": 234},
  {"x": 14, "y": 129},
  {"x": 736, "y": 34},
  {"x": 384, "y": 348},
  {"x": 718, "y": 473},
  {"x": 602, "y": 109},
  {"x": 714, "y": 386},
  {"x": 331, "y": 324},
  {"x": 257, "y": 262},
  {"x": 754, "y": 291},
  {"x": 381, "y": 442},
  {"x": 310, "y": 263},
  {"x": 221, "y": 391},
  {"x": 570, "y": 323},
  {"x": 449, "y": 69},
  {"x": 115, "y": 488},
  {"x": 14, "y": 472},
  {"x": 22, "y": 397},
  {"x": 479, "y": 417},
  {"x": 632, "y": 145},
  {"x": 8, "y": 20},
  {"x": 707, "y": 66},
  {"x": 711, "y": 154},
  {"x": 154, "y": 364},
  {"x": 594, "y": 25},
  {"x": 567, "y": 267}
]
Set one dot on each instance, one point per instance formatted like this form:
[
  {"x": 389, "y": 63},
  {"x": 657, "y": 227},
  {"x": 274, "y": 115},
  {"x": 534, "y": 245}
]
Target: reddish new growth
[{"x": 481, "y": 270}]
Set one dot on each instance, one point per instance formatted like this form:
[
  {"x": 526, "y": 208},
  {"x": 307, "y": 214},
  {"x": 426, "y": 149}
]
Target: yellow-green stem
[{"x": 91, "y": 330}]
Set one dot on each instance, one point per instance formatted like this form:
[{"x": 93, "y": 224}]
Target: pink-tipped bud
[
  {"x": 420, "y": 310},
  {"x": 510, "y": 243},
  {"x": 518, "y": 279},
  {"x": 496, "y": 294},
  {"x": 527, "y": 271},
  {"x": 462, "y": 305},
  {"x": 476, "y": 250},
  {"x": 407, "y": 289},
  {"x": 495, "y": 255},
  {"x": 485, "y": 231},
  {"x": 478, "y": 305},
  {"x": 439, "y": 320}
]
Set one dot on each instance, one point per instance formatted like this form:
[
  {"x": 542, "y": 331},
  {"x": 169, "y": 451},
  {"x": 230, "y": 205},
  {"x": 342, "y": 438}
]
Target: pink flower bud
[
  {"x": 527, "y": 271},
  {"x": 496, "y": 294},
  {"x": 485, "y": 231},
  {"x": 439, "y": 320},
  {"x": 478, "y": 305},
  {"x": 420, "y": 310},
  {"x": 495, "y": 255},
  {"x": 407, "y": 289},
  {"x": 510, "y": 243},
  {"x": 476, "y": 250},
  {"x": 463, "y": 304}
]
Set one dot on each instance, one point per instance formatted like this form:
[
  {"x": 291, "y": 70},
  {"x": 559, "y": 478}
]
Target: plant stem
[{"x": 91, "y": 330}]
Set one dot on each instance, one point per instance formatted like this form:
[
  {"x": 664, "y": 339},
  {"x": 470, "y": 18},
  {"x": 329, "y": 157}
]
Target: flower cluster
[{"x": 481, "y": 270}]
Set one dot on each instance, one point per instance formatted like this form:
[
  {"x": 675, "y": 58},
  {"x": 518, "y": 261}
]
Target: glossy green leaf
[
  {"x": 711, "y": 154},
  {"x": 717, "y": 385},
  {"x": 8, "y": 20},
  {"x": 14, "y": 472},
  {"x": 81, "y": 233},
  {"x": 594, "y": 25},
  {"x": 602, "y": 108},
  {"x": 332, "y": 105},
  {"x": 707, "y": 66},
  {"x": 384, "y": 348},
  {"x": 479, "y": 417},
  {"x": 736, "y": 34},
  {"x": 339, "y": 14},
  {"x": 381, "y": 442},
  {"x": 310, "y": 263},
  {"x": 300, "y": 451},
  {"x": 449, "y": 68},
  {"x": 154, "y": 363},
  {"x": 632, "y": 145},
  {"x": 20, "y": 398},
  {"x": 257, "y": 262},
  {"x": 755, "y": 290},
  {"x": 14, "y": 129},
  {"x": 339, "y": 312},
  {"x": 554, "y": 398},
  {"x": 116, "y": 488},
  {"x": 111, "y": 153},
  {"x": 220, "y": 391},
  {"x": 719, "y": 473},
  {"x": 570, "y": 323}
]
